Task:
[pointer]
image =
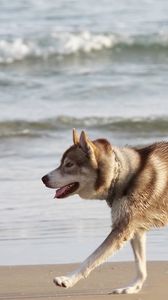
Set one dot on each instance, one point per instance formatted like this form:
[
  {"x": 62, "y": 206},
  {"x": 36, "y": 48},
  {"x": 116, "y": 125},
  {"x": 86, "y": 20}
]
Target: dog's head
[{"x": 86, "y": 169}]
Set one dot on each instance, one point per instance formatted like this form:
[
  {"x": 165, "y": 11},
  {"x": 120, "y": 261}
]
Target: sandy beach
[{"x": 35, "y": 282}]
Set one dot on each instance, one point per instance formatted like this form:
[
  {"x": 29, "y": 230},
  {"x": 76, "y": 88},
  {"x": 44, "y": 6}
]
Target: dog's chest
[{"x": 119, "y": 208}]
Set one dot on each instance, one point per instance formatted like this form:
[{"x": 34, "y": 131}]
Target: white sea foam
[
  {"x": 64, "y": 43},
  {"x": 84, "y": 41},
  {"x": 11, "y": 51},
  {"x": 59, "y": 43}
]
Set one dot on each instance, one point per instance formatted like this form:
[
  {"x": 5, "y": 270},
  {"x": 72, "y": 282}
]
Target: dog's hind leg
[{"x": 138, "y": 244}]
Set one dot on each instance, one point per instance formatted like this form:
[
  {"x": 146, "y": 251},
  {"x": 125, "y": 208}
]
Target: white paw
[
  {"x": 64, "y": 281},
  {"x": 127, "y": 290}
]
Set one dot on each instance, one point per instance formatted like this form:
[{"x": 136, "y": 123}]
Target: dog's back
[{"x": 147, "y": 189}]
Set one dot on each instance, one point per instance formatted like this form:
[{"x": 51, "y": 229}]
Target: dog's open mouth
[{"x": 66, "y": 190}]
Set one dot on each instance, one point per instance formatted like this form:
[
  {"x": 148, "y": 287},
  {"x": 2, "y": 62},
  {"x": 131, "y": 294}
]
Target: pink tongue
[{"x": 60, "y": 192}]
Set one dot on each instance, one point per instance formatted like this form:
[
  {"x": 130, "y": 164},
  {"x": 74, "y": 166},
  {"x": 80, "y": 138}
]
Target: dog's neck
[
  {"x": 112, "y": 190},
  {"x": 126, "y": 164}
]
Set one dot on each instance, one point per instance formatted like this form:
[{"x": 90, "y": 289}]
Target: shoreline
[{"x": 36, "y": 282}]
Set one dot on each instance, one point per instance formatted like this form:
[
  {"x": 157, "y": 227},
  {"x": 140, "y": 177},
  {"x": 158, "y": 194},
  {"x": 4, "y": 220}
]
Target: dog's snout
[{"x": 45, "y": 179}]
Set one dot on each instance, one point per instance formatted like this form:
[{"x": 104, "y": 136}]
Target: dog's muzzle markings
[
  {"x": 133, "y": 181},
  {"x": 63, "y": 191}
]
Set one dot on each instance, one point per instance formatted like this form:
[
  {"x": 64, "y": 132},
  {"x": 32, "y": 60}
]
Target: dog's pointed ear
[
  {"x": 75, "y": 137},
  {"x": 84, "y": 142},
  {"x": 88, "y": 147}
]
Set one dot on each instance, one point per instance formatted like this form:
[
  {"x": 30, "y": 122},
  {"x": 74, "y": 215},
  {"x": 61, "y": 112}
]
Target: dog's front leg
[{"x": 113, "y": 242}]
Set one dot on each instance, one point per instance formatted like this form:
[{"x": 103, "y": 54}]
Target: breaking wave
[
  {"x": 21, "y": 128},
  {"x": 61, "y": 44}
]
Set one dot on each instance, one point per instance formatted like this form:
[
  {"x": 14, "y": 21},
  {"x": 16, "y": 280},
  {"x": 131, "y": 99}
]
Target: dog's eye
[{"x": 69, "y": 164}]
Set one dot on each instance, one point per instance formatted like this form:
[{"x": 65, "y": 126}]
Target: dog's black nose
[{"x": 45, "y": 179}]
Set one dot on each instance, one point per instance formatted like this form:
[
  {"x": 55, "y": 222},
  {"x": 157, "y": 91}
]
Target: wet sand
[{"x": 36, "y": 282}]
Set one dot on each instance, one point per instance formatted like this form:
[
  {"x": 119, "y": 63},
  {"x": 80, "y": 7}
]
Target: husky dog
[{"x": 133, "y": 182}]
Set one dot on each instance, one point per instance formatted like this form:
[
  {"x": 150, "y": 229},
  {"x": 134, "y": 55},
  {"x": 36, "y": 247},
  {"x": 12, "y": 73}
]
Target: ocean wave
[
  {"x": 62, "y": 44},
  {"x": 20, "y": 128}
]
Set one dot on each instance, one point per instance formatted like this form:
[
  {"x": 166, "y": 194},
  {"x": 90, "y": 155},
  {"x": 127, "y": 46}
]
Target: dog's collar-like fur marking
[{"x": 112, "y": 189}]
